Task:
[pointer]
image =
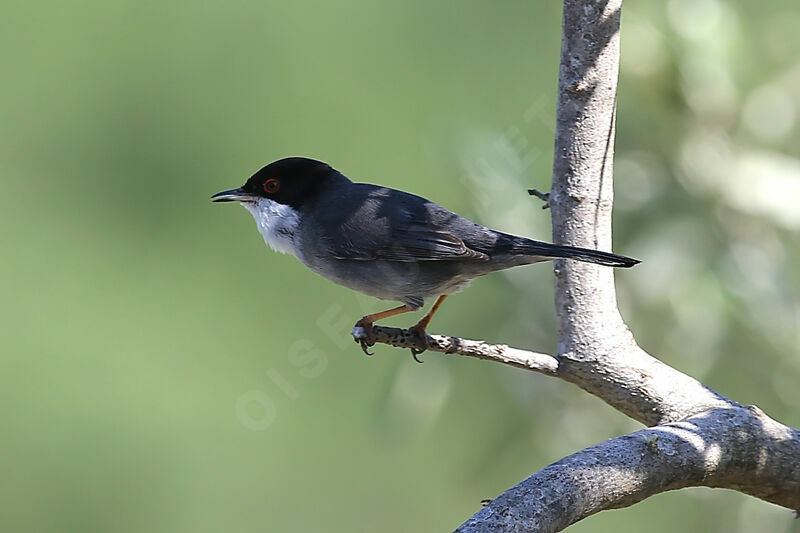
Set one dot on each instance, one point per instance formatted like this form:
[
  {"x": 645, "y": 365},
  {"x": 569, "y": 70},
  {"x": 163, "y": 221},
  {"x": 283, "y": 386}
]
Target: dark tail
[{"x": 544, "y": 249}]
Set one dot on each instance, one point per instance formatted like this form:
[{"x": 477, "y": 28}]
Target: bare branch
[
  {"x": 403, "y": 338},
  {"x": 736, "y": 448},
  {"x": 594, "y": 342}
]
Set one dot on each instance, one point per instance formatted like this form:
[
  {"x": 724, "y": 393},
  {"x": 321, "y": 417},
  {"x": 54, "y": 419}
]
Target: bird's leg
[
  {"x": 419, "y": 328},
  {"x": 368, "y": 339}
]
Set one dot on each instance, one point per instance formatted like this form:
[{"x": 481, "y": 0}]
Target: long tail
[{"x": 544, "y": 249}]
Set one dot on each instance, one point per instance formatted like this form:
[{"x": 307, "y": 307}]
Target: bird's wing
[
  {"x": 427, "y": 243},
  {"x": 393, "y": 225},
  {"x": 410, "y": 244}
]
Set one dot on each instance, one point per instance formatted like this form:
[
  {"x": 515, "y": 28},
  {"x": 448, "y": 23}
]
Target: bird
[{"x": 383, "y": 242}]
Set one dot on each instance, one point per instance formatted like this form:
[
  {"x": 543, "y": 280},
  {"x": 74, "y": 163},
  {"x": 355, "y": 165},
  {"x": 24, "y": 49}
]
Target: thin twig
[
  {"x": 403, "y": 338},
  {"x": 543, "y": 196}
]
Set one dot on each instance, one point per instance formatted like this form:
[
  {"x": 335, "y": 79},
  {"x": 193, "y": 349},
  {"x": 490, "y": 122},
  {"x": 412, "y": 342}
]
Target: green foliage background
[{"x": 161, "y": 370}]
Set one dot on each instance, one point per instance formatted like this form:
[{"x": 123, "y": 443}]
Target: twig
[
  {"x": 543, "y": 196},
  {"x": 403, "y": 338}
]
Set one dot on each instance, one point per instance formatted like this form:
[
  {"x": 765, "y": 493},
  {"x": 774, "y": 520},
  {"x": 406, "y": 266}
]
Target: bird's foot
[
  {"x": 421, "y": 335},
  {"x": 365, "y": 337}
]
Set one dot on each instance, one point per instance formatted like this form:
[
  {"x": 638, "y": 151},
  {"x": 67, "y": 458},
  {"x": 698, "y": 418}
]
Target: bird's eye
[{"x": 272, "y": 185}]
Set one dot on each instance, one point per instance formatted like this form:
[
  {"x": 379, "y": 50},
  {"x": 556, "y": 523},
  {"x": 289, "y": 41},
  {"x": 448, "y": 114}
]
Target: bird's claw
[
  {"x": 422, "y": 342},
  {"x": 366, "y": 338},
  {"x": 365, "y": 347}
]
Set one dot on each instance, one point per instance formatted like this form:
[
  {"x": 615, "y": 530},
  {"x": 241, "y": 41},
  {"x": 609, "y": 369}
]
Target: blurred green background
[{"x": 162, "y": 370}]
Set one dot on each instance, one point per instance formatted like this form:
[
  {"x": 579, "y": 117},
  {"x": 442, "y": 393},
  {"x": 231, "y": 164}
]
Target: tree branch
[
  {"x": 594, "y": 342},
  {"x": 403, "y": 338},
  {"x": 737, "y": 448}
]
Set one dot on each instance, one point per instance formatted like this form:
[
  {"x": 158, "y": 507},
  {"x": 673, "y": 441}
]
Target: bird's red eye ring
[{"x": 272, "y": 185}]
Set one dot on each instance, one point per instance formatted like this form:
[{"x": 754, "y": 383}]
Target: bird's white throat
[{"x": 277, "y": 223}]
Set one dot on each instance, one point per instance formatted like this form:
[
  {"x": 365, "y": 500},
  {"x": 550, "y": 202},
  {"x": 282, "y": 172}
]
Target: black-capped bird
[{"x": 383, "y": 242}]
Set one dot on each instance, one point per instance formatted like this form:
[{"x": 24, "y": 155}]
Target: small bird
[{"x": 383, "y": 242}]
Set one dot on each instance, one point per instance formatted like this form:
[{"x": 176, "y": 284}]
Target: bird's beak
[{"x": 233, "y": 195}]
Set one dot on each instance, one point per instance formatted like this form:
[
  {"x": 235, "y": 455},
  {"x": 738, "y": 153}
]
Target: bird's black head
[{"x": 288, "y": 181}]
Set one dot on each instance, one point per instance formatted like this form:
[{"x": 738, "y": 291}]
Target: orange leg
[
  {"x": 419, "y": 328},
  {"x": 424, "y": 321},
  {"x": 374, "y": 317}
]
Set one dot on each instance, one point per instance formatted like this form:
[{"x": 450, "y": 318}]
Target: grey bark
[
  {"x": 697, "y": 436},
  {"x": 592, "y": 335},
  {"x": 736, "y": 448}
]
